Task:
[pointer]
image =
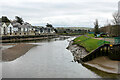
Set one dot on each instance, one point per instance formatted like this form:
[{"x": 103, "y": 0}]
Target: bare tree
[{"x": 116, "y": 18}]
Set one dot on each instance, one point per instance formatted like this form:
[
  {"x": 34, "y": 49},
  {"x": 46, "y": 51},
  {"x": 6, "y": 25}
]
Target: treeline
[
  {"x": 111, "y": 29},
  {"x": 5, "y": 19},
  {"x": 72, "y": 31}
]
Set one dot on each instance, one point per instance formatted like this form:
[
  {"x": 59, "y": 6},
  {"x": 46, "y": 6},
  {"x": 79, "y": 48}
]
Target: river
[{"x": 50, "y": 59}]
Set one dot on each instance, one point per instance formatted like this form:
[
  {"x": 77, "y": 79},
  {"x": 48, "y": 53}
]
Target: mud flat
[
  {"x": 16, "y": 51},
  {"x": 105, "y": 64},
  {"x": 102, "y": 63}
]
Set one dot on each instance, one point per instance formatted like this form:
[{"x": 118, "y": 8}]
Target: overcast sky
[{"x": 68, "y": 13}]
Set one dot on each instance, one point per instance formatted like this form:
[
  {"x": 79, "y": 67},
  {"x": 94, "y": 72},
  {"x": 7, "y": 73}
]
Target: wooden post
[{"x": 107, "y": 51}]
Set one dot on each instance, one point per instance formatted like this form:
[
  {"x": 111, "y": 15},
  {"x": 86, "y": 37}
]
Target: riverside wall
[{"x": 4, "y": 39}]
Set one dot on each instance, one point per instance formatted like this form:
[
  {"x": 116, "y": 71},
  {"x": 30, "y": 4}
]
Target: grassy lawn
[
  {"x": 81, "y": 38},
  {"x": 90, "y": 35},
  {"x": 89, "y": 43}
]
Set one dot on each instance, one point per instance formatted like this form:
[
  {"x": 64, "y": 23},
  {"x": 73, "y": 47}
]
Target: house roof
[
  {"x": 4, "y": 24},
  {"x": 24, "y": 26},
  {"x": 37, "y": 27},
  {"x": 16, "y": 24},
  {"x": 7, "y": 24},
  {"x": 10, "y": 25}
]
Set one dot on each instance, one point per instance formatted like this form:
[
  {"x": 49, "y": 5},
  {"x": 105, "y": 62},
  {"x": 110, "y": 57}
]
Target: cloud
[{"x": 60, "y": 12}]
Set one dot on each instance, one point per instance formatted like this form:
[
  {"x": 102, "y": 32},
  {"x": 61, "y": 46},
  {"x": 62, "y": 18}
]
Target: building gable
[
  {"x": 10, "y": 25},
  {"x": 4, "y": 25}
]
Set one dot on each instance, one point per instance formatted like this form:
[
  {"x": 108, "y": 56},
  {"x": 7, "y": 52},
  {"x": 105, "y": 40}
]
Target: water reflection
[{"x": 39, "y": 40}]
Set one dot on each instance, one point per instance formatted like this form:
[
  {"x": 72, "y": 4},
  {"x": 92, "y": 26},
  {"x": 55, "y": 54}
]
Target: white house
[
  {"x": 1, "y": 29},
  {"x": 52, "y": 31},
  {"x": 15, "y": 27},
  {"x": 42, "y": 30},
  {"x": 5, "y": 29},
  {"x": 10, "y": 29}
]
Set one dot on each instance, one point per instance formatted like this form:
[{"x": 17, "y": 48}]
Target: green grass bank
[{"x": 88, "y": 42}]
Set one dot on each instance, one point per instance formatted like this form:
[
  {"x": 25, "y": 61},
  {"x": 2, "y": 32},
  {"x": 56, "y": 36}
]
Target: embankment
[
  {"x": 15, "y": 52},
  {"x": 77, "y": 51},
  {"x": 102, "y": 63},
  {"x": 23, "y": 38}
]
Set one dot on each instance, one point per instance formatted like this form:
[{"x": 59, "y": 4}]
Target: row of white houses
[{"x": 24, "y": 29}]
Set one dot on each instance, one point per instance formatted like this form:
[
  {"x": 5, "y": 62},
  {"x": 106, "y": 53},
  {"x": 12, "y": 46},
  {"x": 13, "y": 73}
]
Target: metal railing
[
  {"x": 117, "y": 40},
  {"x": 111, "y": 40}
]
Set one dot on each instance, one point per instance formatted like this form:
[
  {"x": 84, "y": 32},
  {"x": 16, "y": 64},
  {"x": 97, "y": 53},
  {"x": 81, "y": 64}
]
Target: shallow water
[{"x": 50, "y": 59}]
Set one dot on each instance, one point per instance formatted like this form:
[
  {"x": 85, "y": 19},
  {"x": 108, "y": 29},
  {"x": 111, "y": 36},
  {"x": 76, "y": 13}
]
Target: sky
[{"x": 60, "y": 13}]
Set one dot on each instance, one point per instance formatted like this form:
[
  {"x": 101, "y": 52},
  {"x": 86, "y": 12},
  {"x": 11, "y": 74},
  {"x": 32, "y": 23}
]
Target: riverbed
[{"x": 50, "y": 59}]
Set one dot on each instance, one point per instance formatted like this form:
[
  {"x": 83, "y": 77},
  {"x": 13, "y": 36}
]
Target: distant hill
[{"x": 85, "y": 28}]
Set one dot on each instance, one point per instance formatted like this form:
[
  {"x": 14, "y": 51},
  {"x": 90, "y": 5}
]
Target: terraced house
[{"x": 13, "y": 28}]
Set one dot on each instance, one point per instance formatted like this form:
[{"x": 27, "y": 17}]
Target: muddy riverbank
[
  {"x": 77, "y": 51},
  {"x": 16, "y": 51},
  {"x": 12, "y": 51},
  {"x": 101, "y": 63}
]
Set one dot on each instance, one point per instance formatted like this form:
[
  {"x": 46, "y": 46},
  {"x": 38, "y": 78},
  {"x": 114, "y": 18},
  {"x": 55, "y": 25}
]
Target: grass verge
[{"x": 89, "y": 43}]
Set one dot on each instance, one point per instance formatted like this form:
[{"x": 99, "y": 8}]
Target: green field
[{"x": 89, "y": 43}]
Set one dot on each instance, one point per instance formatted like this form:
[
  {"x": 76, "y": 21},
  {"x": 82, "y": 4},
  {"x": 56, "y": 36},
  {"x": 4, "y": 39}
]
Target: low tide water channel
[{"x": 50, "y": 59}]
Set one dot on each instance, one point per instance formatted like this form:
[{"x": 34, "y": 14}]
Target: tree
[
  {"x": 116, "y": 18},
  {"x": 96, "y": 28},
  {"x": 56, "y": 30},
  {"x": 19, "y": 20},
  {"x": 5, "y": 19},
  {"x": 49, "y": 25}
]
